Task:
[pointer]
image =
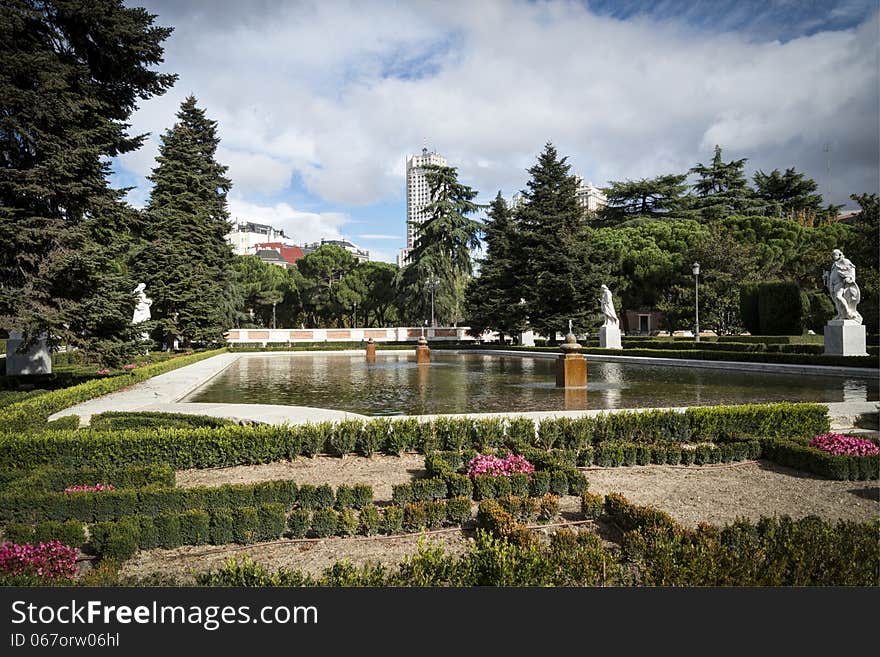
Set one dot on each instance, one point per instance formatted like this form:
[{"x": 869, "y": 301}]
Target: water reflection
[{"x": 395, "y": 384}]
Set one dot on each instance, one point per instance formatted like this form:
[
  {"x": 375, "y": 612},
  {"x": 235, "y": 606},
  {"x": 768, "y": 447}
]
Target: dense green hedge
[
  {"x": 727, "y": 356},
  {"x": 47, "y": 479},
  {"x": 32, "y": 413},
  {"x": 801, "y": 456},
  {"x": 244, "y": 445},
  {"x": 120, "y": 421},
  {"x": 114, "y": 504}
]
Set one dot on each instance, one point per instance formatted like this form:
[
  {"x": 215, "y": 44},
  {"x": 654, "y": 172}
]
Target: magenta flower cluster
[
  {"x": 52, "y": 559},
  {"x": 88, "y": 488},
  {"x": 486, "y": 464},
  {"x": 128, "y": 367},
  {"x": 103, "y": 372},
  {"x": 835, "y": 443}
]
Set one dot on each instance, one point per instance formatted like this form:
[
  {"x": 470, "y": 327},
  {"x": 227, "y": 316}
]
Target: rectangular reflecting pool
[{"x": 476, "y": 383}]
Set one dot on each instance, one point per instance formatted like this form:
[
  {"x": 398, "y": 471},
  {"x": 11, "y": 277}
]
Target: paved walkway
[{"x": 161, "y": 393}]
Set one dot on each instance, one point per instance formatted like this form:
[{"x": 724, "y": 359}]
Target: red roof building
[{"x": 290, "y": 254}]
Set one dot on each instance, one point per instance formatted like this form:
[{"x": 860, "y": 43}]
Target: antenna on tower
[
  {"x": 826, "y": 148},
  {"x": 424, "y": 146}
]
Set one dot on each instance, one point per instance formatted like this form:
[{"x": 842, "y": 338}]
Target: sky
[{"x": 318, "y": 103}]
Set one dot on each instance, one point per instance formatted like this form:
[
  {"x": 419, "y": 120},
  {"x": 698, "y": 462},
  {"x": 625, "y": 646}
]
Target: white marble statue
[
  {"x": 841, "y": 283},
  {"x": 142, "y": 311},
  {"x": 608, "y": 307}
]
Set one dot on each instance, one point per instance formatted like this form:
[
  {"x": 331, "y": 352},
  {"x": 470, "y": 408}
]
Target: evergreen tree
[
  {"x": 723, "y": 190},
  {"x": 493, "y": 297},
  {"x": 322, "y": 271},
  {"x": 556, "y": 275},
  {"x": 442, "y": 252},
  {"x": 788, "y": 194},
  {"x": 187, "y": 263},
  {"x": 663, "y": 196},
  {"x": 70, "y": 76}
]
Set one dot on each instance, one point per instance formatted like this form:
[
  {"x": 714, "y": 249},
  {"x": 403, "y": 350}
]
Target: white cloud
[
  {"x": 255, "y": 172},
  {"x": 299, "y": 226},
  {"x": 488, "y": 83}
]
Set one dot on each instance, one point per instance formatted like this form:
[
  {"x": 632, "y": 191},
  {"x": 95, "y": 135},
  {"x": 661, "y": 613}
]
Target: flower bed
[
  {"x": 838, "y": 444},
  {"x": 487, "y": 464},
  {"x": 52, "y": 559},
  {"x": 88, "y": 488}
]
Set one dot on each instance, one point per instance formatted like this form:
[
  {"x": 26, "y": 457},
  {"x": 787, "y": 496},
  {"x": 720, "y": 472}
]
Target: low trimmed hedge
[
  {"x": 46, "y": 479},
  {"x": 243, "y": 525},
  {"x": 114, "y": 504},
  {"x": 802, "y": 457},
  {"x": 248, "y": 445},
  {"x": 33, "y": 413},
  {"x": 69, "y": 532},
  {"x": 612, "y": 454},
  {"x": 121, "y": 421}
]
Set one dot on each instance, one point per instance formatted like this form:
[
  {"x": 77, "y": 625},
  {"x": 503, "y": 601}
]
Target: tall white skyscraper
[{"x": 418, "y": 195}]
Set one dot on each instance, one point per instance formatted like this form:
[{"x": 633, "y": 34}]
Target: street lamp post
[
  {"x": 273, "y": 314},
  {"x": 432, "y": 283},
  {"x": 696, "y": 269},
  {"x": 355, "y": 322}
]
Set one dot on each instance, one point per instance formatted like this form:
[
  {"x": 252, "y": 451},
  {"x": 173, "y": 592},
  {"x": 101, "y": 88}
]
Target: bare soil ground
[{"x": 716, "y": 494}]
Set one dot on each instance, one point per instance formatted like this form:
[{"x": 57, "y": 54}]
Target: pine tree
[
  {"x": 663, "y": 196},
  {"x": 70, "y": 75},
  {"x": 493, "y": 297},
  {"x": 723, "y": 190},
  {"x": 442, "y": 252},
  {"x": 556, "y": 277},
  {"x": 186, "y": 262},
  {"x": 788, "y": 194}
]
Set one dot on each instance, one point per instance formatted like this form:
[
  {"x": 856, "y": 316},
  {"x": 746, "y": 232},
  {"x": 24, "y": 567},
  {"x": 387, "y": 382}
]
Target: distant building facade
[
  {"x": 589, "y": 197},
  {"x": 245, "y": 235},
  {"x": 418, "y": 196},
  {"x": 361, "y": 255},
  {"x": 278, "y": 253}
]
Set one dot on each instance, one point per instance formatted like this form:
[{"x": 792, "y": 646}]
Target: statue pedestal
[
  {"x": 423, "y": 352},
  {"x": 36, "y": 360},
  {"x": 571, "y": 371},
  {"x": 609, "y": 337},
  {"x": 371, "y": 351},
  {"x": 845, "y": 337}
]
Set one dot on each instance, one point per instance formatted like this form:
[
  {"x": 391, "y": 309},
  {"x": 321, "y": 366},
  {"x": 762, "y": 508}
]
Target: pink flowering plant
[
  {"x": 103, "y": 372},
  {"x": 88, "y": 488},
  {"x": 836, "y": 443},
  {"x": 52, "y": 559},
  {"x": 487, "y": 464}
]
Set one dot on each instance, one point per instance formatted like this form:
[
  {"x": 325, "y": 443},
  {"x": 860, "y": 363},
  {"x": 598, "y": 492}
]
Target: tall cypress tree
[
  {"x": 493, "y": 297},
  {"x": 71, "y": 73},
  {"x": 186, "y": 262},
  {"x": 555, "y": 272}
]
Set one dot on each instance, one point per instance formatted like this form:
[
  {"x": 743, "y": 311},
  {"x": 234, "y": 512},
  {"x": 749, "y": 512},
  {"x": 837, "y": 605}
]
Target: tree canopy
[{"x": 70, "y": 76}]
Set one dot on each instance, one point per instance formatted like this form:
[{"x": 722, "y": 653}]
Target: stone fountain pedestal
[
  {"x": 571, "y": 366},
  {"x": 371, "y": 351},
  {"x": 423, "y": 351}
]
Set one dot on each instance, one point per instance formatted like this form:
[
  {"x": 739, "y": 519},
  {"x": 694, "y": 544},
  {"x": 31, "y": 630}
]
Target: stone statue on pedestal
[{"x": 845, "y": 334}]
